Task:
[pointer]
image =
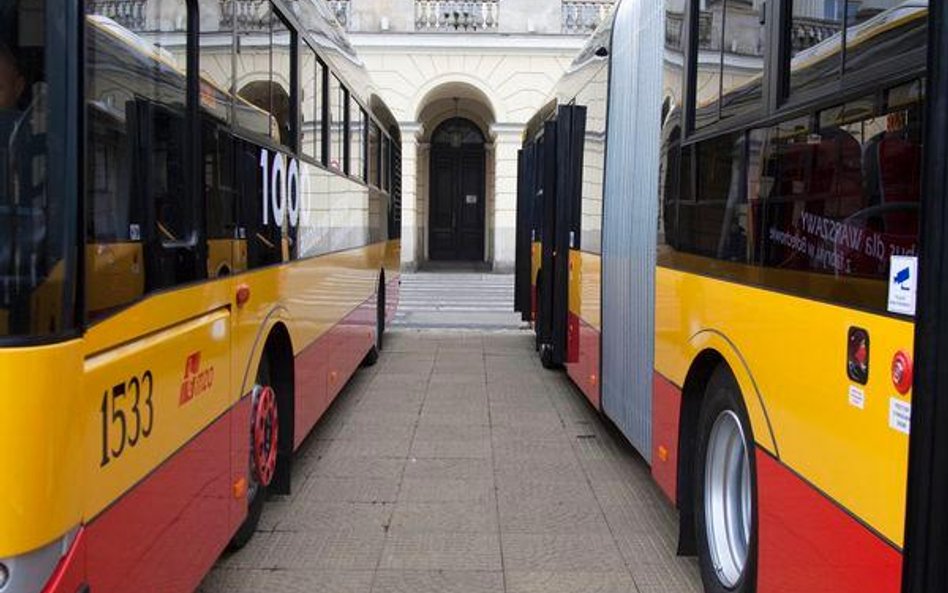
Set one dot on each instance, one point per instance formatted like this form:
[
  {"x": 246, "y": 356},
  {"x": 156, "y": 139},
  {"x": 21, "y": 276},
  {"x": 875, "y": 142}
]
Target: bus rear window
[{"x": 35, "y": 272}]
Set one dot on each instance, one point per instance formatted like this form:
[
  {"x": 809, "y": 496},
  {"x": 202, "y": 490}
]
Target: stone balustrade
[
  {"x": 581, "y": 17},
  {"x": 456, "y": 15},
  {"x": 342, "y": 10},
  {"x": 128, "y": 13},
  {"x": 806, "y": 32}
]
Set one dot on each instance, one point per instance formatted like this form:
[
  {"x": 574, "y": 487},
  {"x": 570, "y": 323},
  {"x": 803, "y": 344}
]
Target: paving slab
[{"x": 459, "y": 465}]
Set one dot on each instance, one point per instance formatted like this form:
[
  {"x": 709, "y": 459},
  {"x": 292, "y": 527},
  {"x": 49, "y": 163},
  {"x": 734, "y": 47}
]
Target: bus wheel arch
[
  {"x": 692, "y": 396},
  {"x": 712, "y": 368},
  {"x": 278, "y": 351}
]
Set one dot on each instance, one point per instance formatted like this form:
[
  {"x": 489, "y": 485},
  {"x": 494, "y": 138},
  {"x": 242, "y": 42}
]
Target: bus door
[
  {"x": 568, "y": 231},
  {"x": 561, "y": 209},
  {"x": 523, "y": 279},
  {"x": 546, "y": 217}
]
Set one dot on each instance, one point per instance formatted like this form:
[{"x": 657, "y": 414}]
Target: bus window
[
  {"x": 385, "y": 162},
  {"x": 374, "y": 153},
  {"x": 814, "y": 57},
  {"x": 708, "y": 76},
  {"x": 34, "y": 273},
  {"x": 281, "y": 56},
  {"x": 715, "y": 224},
  {"x": 880, "y": 30},
  {"x": 311, "y": 104},
  {"x": 337, "y": 123},
  {"x": 252, "y": 105},
  {"x": 743, "y": 57},
  {"x": 141, "y": 232},
  {"x": 843, "y": 198},
  {"x": 356, "y": 139},
  {"x": 216, "y": 63}
]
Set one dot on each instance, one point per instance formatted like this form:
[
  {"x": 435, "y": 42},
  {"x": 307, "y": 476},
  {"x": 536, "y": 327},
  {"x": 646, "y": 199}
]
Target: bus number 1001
[{"x": 122, "y": 427}]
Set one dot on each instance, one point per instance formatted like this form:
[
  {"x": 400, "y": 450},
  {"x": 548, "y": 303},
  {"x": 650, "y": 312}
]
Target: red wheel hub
[{"x": 265, "y": 435}]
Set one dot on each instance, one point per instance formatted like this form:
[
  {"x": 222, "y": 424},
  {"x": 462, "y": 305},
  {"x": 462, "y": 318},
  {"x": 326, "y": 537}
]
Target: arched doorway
[{"x": 456, "y": 192}]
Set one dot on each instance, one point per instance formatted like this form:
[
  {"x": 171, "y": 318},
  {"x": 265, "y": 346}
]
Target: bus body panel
[
  {"x": 584, "y": 328},
  {"x": 808, "y": 543},
  {"x": 796, "y": 349},
  {"x": 43, "y": 469},
  {"x": 666, "y": 422},
  {"x": 146, "y": 398}
]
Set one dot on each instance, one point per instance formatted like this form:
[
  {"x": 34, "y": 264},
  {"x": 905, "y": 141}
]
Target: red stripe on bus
[
  {"x": 167, "y": 532},
  {"x": 808, "y": 543},
  {"x": 585, "y": 370},
  {"x": 666, "y": 417}
]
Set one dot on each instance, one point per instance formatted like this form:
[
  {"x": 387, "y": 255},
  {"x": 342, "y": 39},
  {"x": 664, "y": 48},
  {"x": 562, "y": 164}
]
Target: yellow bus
[
  {"x": 719, "y": 221},
  {"x": 199, "y": 245}
]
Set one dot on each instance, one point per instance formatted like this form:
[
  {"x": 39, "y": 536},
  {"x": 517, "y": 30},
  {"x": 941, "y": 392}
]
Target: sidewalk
[{"x": 456, "y": 465}]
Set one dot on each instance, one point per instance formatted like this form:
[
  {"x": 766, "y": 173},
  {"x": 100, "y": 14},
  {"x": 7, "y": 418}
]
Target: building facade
[{"x": 462, "y": 78}]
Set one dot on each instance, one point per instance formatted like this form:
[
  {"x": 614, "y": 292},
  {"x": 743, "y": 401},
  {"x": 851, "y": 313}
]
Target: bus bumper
[{"x": 70, "y": 574}]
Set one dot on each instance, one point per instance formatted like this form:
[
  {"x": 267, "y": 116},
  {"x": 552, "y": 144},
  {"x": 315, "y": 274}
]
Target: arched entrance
[{"x": 456, "y": 192}]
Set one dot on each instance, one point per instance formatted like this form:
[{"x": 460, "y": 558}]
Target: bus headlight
[{"x": 29, "y": 573}]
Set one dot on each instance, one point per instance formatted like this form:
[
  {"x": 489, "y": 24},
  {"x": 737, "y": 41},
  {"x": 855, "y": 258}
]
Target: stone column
[
  {"x": 410, "y": 234},
  {"x": 506, "y": 144}
]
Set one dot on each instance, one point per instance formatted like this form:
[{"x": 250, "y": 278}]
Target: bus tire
[
  {"x": 546, "y": 356},
  {"x": 263, "y": 401},
  {"x": 725, "y": 487},
  {"x": 372, "y": 356}
]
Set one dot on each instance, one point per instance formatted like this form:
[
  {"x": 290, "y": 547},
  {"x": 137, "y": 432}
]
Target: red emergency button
[{"x": 902, "y": 372}]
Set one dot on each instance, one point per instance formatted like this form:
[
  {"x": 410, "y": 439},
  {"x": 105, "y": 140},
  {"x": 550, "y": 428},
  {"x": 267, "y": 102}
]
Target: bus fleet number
[{"x": 123, "y": 427}]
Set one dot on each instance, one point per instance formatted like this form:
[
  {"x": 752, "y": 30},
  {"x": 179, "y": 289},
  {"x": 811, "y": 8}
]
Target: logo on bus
[
  {"x": 280, "y": 188},
  {"x": 196, "y": 380}
]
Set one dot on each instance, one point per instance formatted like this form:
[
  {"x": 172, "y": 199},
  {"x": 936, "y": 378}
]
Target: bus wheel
[
  {"x": 725, "y": 490},
  {"x": 372, "y": 356},
  {"x": 546, "y": 356},
  {"x": 264, "y": 440}
]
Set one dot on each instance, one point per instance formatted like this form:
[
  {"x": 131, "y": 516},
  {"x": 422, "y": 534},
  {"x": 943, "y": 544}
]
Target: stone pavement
[
  {"x": 458, "y": 464},
  {"x": 439, "y": 300}
]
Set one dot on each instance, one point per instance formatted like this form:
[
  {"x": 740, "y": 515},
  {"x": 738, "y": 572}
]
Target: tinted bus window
[
  {"x": 815, "y": 41},
  {"x": 386, "y": 165},
  {"x": 374, "y": 154},
  {"x": 708, "y": 77},
  {"x": 141, "y": 231},
  {"x": 252, "y": 106},
  {"x": 35, "y": 269},
  {"x": 311, "y": 103},
  {"x": 280, "y": 76},
  {"x": 743, "y": 57},
  {"x": 716, "y": 223},
  {"x": 216, "y": 54},
  {"x": 842, "y": 199},
  {"x": 730, "y": 49},
  {"x": 880, "y": 31},
  {"x": 356, "y": 140},
  {"x": 337, "y": 123}
]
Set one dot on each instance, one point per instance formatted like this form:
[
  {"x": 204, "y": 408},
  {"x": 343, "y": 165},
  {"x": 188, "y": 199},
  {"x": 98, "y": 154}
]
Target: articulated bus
[
  {"x": 718, "y": 231},
  {"x": 199, "y": 245}
]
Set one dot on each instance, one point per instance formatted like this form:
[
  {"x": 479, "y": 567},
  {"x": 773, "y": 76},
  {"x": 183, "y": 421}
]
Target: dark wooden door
[{"x": 457, "y": 204}]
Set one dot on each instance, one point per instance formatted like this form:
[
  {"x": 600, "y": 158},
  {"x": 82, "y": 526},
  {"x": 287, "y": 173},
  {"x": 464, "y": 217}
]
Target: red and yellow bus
[
  {"x": 718, "y": 230},
  {"x": 199, "y": 245}
]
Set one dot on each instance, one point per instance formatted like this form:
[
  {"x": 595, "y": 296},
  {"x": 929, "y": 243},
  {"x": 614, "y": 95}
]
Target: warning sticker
[
  {"x": 903, "y": 281},
  {"x": 857, "y": 397},
  {"x": 900, "y": 415}
]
